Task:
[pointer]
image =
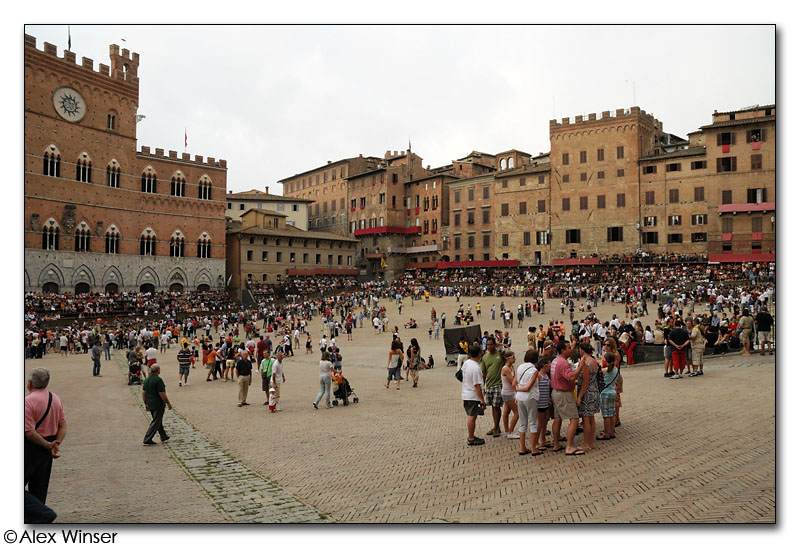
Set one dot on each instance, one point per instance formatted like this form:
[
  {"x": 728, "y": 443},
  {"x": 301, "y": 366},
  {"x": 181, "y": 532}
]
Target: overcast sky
[{"x": 278, "y": 100}]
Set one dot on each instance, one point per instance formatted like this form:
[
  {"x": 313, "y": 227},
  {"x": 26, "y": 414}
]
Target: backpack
[{"x": 268, "y": 372}]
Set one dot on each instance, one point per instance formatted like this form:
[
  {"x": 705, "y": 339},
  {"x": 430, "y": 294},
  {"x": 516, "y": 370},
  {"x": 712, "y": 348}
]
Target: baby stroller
[
  {"x": 134, "y": 374},
  {"x": 343, "y": 391}
]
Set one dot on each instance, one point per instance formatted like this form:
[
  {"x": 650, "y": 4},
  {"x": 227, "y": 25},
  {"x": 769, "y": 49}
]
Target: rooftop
[
  {"x": 259, "y": 196},
  {"x": 292, "y": 232},
  {"x": 744, "y": 122}
]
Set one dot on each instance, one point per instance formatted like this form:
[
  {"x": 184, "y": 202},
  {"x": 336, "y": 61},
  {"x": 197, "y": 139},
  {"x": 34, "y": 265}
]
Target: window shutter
[
  {"x": 763, "y": 194},
  {"x": 733, "y": 163},
  {"x": 719, "y": 164},
  {"x": 763, "y": 135},
  {"x": 679, "y": 166},
  {"x": 719, "y": 139},
  {"x": 733, "y": 137}
]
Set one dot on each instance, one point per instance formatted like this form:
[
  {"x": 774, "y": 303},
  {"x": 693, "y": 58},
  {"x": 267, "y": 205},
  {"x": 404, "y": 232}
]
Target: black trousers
[
  {"x": 38, "y": 465},
  {"x": 156, "y": 425}
]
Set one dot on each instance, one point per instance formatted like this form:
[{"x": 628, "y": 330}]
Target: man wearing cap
[{"x": 764, "y": 323}]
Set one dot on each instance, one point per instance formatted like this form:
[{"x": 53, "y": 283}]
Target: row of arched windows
[
  {"x": 51, "y": 167},
  {"x": 148, "y": 242}
]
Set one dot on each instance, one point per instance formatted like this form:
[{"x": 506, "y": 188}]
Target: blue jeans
[
  {"x": 96, "y": 367},
  {"x": 324, "y": 389}
]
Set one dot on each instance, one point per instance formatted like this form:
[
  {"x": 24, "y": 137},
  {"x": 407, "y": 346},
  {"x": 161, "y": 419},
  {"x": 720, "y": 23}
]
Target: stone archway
[
  {"x": 176, "y": 287},
  {"x": 148, "y": 277},
  {"x": 203, "y": 287},
  {"x": 147, "y": 288},
  {"x": 50, "y": 287},
  {"x": 81, "y": 288},
  {"x": 111, "y": 288},
  {"x": 51, "y": 276}
]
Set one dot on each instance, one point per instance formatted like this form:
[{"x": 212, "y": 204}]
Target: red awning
[
  {"x": 727, "y": 236},
  {"x": 756, "y": 236},
  {"x": 742, "y": 258},
  {"x": 318, "y": 271},
  {"x": 387, "y": 230},
  {"x": 584, "y": 260},
  {"x": 475, "y": 264}
]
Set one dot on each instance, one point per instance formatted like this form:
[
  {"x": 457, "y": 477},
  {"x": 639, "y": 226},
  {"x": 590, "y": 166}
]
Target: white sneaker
[
  {"x": 186, "y": 383},
  {"x": 180, "y": 383},
  {"x": 513, "y": 436},
  {"x": 676, "y": 376}
]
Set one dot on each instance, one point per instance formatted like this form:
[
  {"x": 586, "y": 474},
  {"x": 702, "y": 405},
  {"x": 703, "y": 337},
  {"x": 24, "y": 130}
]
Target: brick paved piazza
[{"x": 696, "y": 449}]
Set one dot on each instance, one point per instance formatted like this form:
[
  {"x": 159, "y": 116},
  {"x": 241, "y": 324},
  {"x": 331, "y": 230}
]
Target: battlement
[
  {"x": 185, "y": 157},
  {"x": 606, "y": 115},
  {"x": 124, "y": 66}
]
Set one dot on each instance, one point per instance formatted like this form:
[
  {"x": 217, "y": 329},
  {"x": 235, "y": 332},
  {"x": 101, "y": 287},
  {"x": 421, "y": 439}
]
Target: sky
[{"x": 279, "y": 100}]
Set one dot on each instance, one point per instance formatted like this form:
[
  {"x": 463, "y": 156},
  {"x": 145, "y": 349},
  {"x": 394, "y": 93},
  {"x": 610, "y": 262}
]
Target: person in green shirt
[
  {"x": 154, "y": 394},
  {"x": 491, "y": 366}
]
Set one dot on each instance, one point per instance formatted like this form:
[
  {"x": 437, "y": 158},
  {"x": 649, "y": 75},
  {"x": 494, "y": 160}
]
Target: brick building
[
  {"x": 327, "y": 187},
  {"x": 262, "y": 248},
  {"x": 100, "y": 216},
  {"x": 522, "y": 220}
]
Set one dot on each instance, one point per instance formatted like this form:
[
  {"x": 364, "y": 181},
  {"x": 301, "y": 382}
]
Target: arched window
[
  {"x": 82, "y": 237},
  {"x": 204, "y": 246},
  {"x": 511, "y": 163},
  {"x": 112, "y": 240},
  {"x": 147, "y": 242},
  {"x": 83, "y": 169},
  {"x": 50, "y": 234},
  {"x": 112, "y": 120},
  {"x": 204, "y": 188},
  {"x": 177, "y": 185},
  {"x": 149, "y": 181},
  {"x": 176, "y": 244},
  {"x": 112, "y": 174},
  {"x": 503, "y": 163},
  {"x": 52, "y": 162},
  {"x": 380, "y": 221},
  {"x": 435, "y": 225}
]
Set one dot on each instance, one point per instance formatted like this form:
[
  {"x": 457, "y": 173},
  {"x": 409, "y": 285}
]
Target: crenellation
[
  {"x": 606, "y": 114},
  {"x": 198, "y": 159},
  {"x": 186, "y": 157},
  {"x": 87, "y": 63},
  {"x": 159, "y": 152},
  {"x": 30, "y": 40},
  {"x": 103, "y": 69},
  {"x": 210, "y": 161},
  {"x": 69, "y": 56},
  {"x": 50, "y": 49},
  {"x": 145, "y": 150},
  {"x": 173, "y": 155},
  {"x": 565, "y": 121},
  {"x": 592, "y": 117},
  {"x": 620, "y": 112},
  {"x": 223, "y": 163},
  {"x": 578, "y": 118}
]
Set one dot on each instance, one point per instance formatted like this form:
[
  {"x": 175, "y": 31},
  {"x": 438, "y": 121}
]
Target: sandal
[
  {"x": 526, "y": 452},
  {"x": 537, "y": 453}
]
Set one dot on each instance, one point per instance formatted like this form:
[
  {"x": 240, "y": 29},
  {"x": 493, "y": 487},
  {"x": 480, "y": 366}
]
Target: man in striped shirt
[{"x": 184, "y": 361}]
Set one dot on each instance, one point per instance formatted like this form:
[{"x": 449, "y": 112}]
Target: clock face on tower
[{"x": 69, "y": 104}]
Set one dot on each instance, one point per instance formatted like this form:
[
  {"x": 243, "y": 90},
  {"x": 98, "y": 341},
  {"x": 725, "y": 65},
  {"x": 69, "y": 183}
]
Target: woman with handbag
[{"x": 393, "y": 366}]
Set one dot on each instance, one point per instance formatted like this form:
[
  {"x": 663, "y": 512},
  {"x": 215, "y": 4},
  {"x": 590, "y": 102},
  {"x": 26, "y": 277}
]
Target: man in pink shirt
[
  {"x": 45, "y": 428},
  {"x": 562, "y": 379}
]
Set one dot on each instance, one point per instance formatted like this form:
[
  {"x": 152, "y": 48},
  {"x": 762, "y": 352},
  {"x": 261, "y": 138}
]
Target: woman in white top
[
  {"x": 325, "y": 368},
  {"x": 527, "y": 402},
  {"x": 508, "y": 394}
]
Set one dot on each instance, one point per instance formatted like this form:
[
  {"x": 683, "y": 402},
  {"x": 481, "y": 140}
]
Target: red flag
[{"x": 185, "y": 138}]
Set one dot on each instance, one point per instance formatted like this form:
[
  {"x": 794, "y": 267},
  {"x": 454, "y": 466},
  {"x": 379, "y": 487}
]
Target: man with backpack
[{"x": 266, "y": 375}]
